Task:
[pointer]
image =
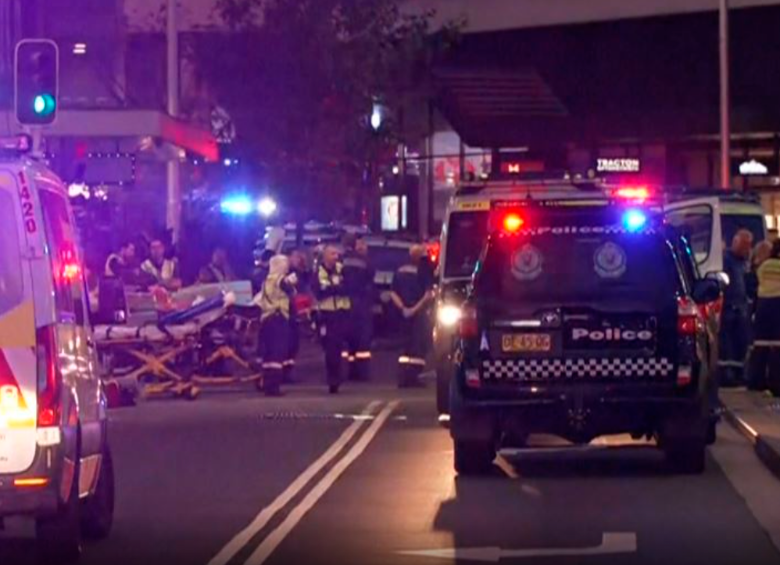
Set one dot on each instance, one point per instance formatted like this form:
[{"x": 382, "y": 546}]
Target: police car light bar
[
  {"x": 637, "y": 194},
  {"x": 513, "y": 222},
  {"x": 634, "y": 220}
]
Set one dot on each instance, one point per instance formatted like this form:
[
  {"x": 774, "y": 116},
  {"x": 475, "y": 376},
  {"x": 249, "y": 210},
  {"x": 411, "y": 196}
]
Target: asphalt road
[{"x": 366, "y": 478}]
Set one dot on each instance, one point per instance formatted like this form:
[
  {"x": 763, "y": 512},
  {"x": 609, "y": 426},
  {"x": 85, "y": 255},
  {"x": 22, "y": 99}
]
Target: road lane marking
[
  {"x": 270, "y": 543},
  {"x": 611, "y": 544},
  {"x": 245, "y": 536}
]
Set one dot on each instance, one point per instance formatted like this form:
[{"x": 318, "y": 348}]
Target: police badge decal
[
  {"x": 609, "y": 261},
  {"x": 527, "y": 263}
]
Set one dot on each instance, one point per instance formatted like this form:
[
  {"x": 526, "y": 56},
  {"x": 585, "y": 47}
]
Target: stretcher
[{"x": 174, "y": 355}]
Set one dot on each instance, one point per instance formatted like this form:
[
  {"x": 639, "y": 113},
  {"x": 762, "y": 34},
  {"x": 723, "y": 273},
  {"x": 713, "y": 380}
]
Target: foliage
[{"x": 300, "y": 78}]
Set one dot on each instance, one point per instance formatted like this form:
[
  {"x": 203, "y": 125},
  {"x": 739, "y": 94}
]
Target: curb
[{"x": 768, "y": 455}]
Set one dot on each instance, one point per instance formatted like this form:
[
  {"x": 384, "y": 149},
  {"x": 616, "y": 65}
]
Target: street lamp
[
  {"x": 725, "y": 102},
  {"x": 376, "y": 117}
]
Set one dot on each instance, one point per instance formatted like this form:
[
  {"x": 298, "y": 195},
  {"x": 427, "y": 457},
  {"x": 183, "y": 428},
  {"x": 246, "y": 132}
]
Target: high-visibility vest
[
  {"x": 769, "y": 279},
  {"x": 273, "y": 298},
  {"x": 165, "y": 273},
  {"x": 332, "y": 297}
]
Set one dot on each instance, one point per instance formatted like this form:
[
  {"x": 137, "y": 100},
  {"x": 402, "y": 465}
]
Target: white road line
[
  {"x": 269, "y": 545},
  {"x": 242, "y": 538}
]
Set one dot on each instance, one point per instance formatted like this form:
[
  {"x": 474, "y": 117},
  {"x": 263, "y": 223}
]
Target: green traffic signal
[{"x": 44, "y": 104}]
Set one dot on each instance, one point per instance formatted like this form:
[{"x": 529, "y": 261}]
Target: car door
[{"x": 699, "y": 220}]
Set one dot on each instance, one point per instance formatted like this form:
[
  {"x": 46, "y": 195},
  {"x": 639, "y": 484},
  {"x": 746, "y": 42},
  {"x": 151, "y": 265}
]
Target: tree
[{"x": 301, "y": 77}]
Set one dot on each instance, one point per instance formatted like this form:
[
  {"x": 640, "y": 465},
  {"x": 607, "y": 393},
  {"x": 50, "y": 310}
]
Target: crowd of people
[
  {"x": 750, "y": 323},
  {"x": 341, "y": 281}
]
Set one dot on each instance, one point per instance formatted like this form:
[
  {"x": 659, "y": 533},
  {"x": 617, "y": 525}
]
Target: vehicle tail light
[
  {"x": 49, "y": 378},
  {"x": 472, "y": 379},
  {"x": 33, "y": 482},
  {"x": 684, "y": 375},
  {"x": 688, "y": 317},
  {"x": 468, "y": 327},
  {"x": 434, "y": 250},
  {"x": 70, "y": 269}
]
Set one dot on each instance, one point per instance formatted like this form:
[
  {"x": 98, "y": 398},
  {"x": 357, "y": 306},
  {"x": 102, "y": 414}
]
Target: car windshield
[
  {"x": 466, "y": 233},
  {"x": 11, "y": 289},
  {"x": 569, "y": 268}
]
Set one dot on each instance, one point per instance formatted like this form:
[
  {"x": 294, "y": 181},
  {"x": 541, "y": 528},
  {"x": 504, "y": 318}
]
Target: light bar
[
  {"x": 634, "y": 193},
  {"x": 513, "y": 222}
]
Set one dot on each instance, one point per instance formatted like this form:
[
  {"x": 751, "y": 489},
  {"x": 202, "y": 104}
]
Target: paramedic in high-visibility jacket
[
  {"x": 412, "y": 295},
  {"x": 359, "y": 281},
  {"x": 274, "y": 301},
  {"x": 333, "y": 307}
]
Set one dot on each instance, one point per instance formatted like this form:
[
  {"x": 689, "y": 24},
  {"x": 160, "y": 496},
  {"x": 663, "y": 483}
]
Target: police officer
[
  {"x": 412, "y": 295},
  {"x": 122, "y": 265},
  {"x": 359, "y": 282},
  {"x": 333, "y": 307},
  {"x": 735, "y": 324},
  {"x": 274, "y": 301}
]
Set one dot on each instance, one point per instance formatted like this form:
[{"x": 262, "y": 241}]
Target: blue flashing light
[
  {"x": 237, "y": 205},
  {"x": 634, "y": 220}
]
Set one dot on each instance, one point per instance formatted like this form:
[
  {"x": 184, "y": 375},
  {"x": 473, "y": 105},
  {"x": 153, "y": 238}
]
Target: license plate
[{"x": 517, "y": 343}]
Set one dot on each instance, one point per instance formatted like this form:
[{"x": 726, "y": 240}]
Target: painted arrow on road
[{"x": 611, "y": 543}]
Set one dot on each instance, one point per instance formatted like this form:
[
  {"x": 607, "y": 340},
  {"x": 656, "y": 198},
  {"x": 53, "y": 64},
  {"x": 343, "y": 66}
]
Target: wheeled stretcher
[{"x": 177, "y": 353}]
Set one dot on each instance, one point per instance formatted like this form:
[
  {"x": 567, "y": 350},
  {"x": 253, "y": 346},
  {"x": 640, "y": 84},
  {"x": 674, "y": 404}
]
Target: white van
[
  {"x": 55, "y": 463},
  {"x": 711, "y": 218}
]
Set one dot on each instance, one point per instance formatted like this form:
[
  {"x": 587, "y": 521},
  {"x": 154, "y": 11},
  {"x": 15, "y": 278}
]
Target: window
[
  {"x": 732, "y": 223},
  {"x": 65, "y": 265},
  {"x": 11, "y": 282},
  {"x": 695, "y": 223},
  {"x": 466, "y": 235}
]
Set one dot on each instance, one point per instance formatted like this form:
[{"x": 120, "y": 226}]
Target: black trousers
[
  {"x": 361, "y": 335},
  {"x": 764, "y": 359},
  {"x": 417, "y": 336},
  {"x": 333, "y": 331},
  {"x": 294, "y": 346},
  {"x": 276, "y": 349},
  {"x": 734, "y": 342}
]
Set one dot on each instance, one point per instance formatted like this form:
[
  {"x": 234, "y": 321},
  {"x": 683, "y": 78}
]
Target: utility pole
[
  {"x": 173, "y": 211},
  {"x": 725, "y": 99}
]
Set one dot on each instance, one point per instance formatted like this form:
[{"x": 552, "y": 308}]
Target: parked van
[{"x": 55, "y": 462}]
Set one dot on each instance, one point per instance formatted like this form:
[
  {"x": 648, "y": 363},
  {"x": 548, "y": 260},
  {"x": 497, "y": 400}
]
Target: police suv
[
  {"x": 55, "y": 462},
  {"x": 585, "y": 318}
]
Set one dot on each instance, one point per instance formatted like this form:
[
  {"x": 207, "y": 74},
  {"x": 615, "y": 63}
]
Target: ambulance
[{"x": 55, "y": 462}]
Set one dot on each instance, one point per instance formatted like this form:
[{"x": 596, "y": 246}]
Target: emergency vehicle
[
  {"x": 586, "y": 317},
  {"x": 55, "y": 461},
  {"x": 708, "y": 218}
]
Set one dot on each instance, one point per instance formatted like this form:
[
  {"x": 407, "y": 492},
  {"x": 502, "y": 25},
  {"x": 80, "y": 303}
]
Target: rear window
[
  {"x": 580, "y": 268},
  {"x": 696, "y": 224},
  {"x": 11, "y": 289},
  {"x": 466, "y": 234}
]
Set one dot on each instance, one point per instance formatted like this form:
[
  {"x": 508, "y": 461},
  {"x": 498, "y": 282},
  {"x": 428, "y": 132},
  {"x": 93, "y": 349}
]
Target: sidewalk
[{"x": 757, "y": 416}]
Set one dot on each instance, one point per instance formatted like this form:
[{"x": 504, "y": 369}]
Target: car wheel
[
  {"x": 59, "y": 536},
  {"x": 97, "y": 512},
  {"x": 474, "y": 458},
  {"x": 687, "y": 456}
]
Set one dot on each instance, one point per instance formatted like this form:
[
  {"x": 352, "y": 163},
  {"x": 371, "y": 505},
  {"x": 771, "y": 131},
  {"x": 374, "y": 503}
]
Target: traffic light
[{"x": 36, "y": 81}]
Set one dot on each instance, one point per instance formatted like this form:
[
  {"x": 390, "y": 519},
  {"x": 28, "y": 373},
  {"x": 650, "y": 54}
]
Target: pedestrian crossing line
[
  {"x": 277, "y": 536},
  {"x": 240, "y": 541}
]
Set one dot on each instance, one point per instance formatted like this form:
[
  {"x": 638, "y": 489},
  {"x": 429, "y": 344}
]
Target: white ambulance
[{"x": 55, "y": 463}]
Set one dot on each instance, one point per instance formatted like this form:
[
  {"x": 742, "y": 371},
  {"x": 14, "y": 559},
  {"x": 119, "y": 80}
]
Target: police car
[
  {"x": 55, "y": 461},
  {"x": 586, "y": 318}
]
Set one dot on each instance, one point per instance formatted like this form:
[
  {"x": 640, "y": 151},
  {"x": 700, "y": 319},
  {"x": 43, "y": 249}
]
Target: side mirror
[
  {"x": 721, "y": 277},
  {"x": 706, "y": 291}
]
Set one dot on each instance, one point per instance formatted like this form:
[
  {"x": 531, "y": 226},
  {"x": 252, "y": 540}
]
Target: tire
[
  {"x": 442, "y": 392},
  {"x": 687, "y": 457},
  {"x": 59, "y": 536},
  {"x": 97, "y": 511},
  {"x": 474, "y": 458}
]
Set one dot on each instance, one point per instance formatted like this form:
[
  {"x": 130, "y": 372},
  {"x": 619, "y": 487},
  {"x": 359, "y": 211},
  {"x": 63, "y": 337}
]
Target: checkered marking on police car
[{"x": 538, "y": 369}]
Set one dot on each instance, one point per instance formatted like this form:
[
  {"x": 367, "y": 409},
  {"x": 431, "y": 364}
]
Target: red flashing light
[
  {"x": 633, "y": 193},
  {"x": 688, "y": 318},
  {"x": 434, "y": 250},
  {"x": 513, "y": 223},
  {"x": 49, "y": 394},
  {"x": 70, "y": 269}
]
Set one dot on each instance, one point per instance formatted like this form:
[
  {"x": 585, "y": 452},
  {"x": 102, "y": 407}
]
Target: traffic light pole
[{"x": 174, "y": 204}]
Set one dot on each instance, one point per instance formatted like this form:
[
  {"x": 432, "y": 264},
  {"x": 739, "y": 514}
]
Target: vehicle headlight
[{"x": 448, "y": 315}]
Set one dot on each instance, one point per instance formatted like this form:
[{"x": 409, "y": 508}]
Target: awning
[{"x": 130, "y": 123}]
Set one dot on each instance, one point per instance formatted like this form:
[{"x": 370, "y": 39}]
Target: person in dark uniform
[
  {"x": 359, "y": 282},
  {"x": 274, "y": 301},
  {"x": 412, "y": 295},
  {"x": 298, "y": 268},
  {"x": 333, "y": 306},
  {"x": 735, "y": 325},
  {"x": 218, "y": 270}
]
